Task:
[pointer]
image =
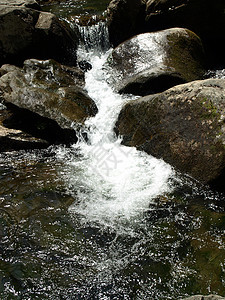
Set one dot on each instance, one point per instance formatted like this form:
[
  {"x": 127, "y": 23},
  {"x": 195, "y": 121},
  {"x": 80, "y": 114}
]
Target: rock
[
  {"x": 42, "y": 2},
  {"x": 55, "y": 39},
  {"x": 205, "y": 18},
  {"x": 28, "y": 33},
  {"x": 153, "y": 62},
  {"x": 84, "y": 65},
  {"x": 183, "y": 125},
  {"x": 17, "y": 25},
  {"x": 36, "y": 126},
  {"x": 50, "y": 71},
  {"x": 12, "y": 139},
  {"x": 8, "y": 68},
  {"x": 25, "y": 3},
  {"x": 50, "y": 91},
  {"x": 125, "y": 19},
  {"x": 201, "y": 297}
]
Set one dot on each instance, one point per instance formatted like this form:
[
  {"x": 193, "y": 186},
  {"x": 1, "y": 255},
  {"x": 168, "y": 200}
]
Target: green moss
[
  {"x": 185, "y": 55},
  {"x": 210, "y": 109}
]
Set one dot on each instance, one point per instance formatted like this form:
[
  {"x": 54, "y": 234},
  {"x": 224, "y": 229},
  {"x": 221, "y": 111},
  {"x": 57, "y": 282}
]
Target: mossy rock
[{"x": 183, "y": 125}]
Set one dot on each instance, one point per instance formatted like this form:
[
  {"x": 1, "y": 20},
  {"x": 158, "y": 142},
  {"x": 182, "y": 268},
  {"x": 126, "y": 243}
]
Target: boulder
[
  {"x": 183, "y": 125},
  {"x": 55, "y": 39},
  {"x": 28, "y": 33},
  {"x": 50, "y": 71},
  {"x": 204, "y": 17},
  {"x": 152, "y": 62},
  {"x": 15, "y": 139},
  {"x": 46, "y": 95},
  {"x": 125, "y": 19},
  {"x": 25, "y": 3},
  {"x": 12, "y": 139}
]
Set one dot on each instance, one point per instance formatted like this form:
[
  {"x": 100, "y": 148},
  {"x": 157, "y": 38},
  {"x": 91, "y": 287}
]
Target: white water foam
[{"x": 112, "y": 183}]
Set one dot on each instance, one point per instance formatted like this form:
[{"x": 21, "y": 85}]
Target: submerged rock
[
  {"x": 183, "y": 125},
  {"x": 29, "y": 33},
  {"x": 52, "y": 92},
  {"x": 152, "y": 62}
]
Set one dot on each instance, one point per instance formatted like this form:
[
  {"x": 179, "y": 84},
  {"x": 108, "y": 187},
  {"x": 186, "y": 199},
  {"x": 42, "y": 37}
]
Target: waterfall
[
  {"x": 112, "y": 183},
  {"x": 94, "y": 37}
]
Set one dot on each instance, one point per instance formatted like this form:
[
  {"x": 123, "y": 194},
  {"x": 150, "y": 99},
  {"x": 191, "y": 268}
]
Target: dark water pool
[
  {"x": 70, "y": 9},
  {"x": 175, "y": 248}
]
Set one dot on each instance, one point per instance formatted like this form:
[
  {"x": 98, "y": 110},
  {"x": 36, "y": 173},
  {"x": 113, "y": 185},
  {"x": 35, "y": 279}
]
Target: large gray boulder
[
  {"x": 183, "y": 125},
  {"x": 52, "y": 92},
  {"x": 29, "y": 33},
  {"x": 152, "y": 62}
]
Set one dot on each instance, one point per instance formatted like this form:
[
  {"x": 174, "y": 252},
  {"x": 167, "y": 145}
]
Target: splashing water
[{"x": 113, "y": 183}]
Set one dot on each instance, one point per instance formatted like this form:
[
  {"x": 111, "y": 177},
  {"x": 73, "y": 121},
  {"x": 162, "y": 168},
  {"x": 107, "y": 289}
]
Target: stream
[{"x": 98, "y": 220}]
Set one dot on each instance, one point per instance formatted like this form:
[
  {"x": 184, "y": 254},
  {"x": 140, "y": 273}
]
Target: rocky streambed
[{"x": 89, "y": 207}]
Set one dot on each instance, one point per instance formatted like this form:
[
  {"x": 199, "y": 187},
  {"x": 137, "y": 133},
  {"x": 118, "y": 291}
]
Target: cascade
[
  {"x": 98, "y": 220},
  {"x": 114, "y": 182},
  {"x": 94, "y": 37}
]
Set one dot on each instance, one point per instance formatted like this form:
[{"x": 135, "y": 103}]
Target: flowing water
[
  {"x": 99, "y": 220},
  {"x": 77, "y": 9}
]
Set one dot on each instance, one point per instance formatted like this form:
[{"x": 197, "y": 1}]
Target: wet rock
[
  {"x": 34, "y": 125},
  {"x": 55, "y": 39},
  {"x": 8, "y": 68},
  {"x": 12, "y": 139},
  {"x": 47, "y": 96},
  {"x": 125, "y": 19},
  {"x": 16, "y": 139},
  {"x": 201, "y": 297},
  {"x": 49, "y": 1},
  {"x": 48, "y": 72},
  {"x": 183, "y": 125},
  {"x": 152, "y": 62},
  {"x": 25, "y": 3},
  {"x": 205, "y": 18},
  {"x": 84, "y": 65},
  {"x": 29, "y": 33}
]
